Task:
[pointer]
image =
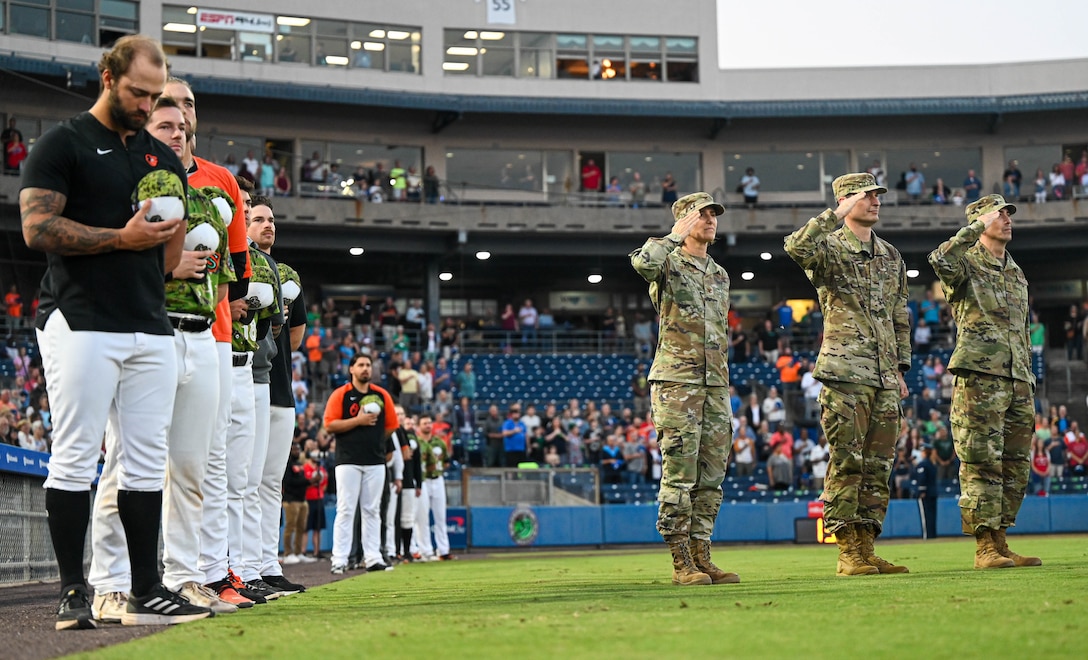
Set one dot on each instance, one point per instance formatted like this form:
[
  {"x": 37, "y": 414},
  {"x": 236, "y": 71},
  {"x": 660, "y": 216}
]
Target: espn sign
[{"x": 235, "y": 20}]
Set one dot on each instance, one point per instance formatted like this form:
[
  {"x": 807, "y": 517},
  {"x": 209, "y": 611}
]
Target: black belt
[
  {"x": 240, "y": 359},
  {"x": 190, "y": 324}
]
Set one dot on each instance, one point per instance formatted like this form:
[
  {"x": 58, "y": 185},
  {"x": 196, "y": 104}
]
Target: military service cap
[
  {"x": 987, "y": 204},
  {"x": 694, "y": 202},
  {"x": 859, "y": 182}
]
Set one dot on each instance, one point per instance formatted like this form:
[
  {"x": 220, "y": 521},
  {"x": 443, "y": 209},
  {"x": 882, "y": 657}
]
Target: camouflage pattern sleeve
[
  {"x": 901, "y": 320},
  {"x": 805, "y": 245},
  {"x": 649, "y": 260},
  {"x": 948, "y": 259}
]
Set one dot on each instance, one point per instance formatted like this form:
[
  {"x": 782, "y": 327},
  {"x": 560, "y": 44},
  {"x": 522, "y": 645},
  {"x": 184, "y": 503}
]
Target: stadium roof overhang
[{"x": 458, "y": 104}]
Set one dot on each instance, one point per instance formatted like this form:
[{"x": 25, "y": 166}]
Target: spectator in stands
[
  {"x": 916, "y": 184},
  {"x": 749, "y": 187},
  {"x": 612, "y": 463},
  {"x": 1076, "y": 450},
  {"x": 464, "y": 421},
  {"x": 466, "y": 381},
  {"x": 669, "y": 189},
  {"x": 1040, "y": 466},
  {"x": 426, "y": 390},
  {"x": 556, "y": 439},
  {"x": 401, "y": 343},
  {"x": 282, "y": 183},
  {"x": 942, "y": 194},
  {"x": 9, "y": 435},
  {"x": 1041, "y": 183},
  {"x": 739, "y": 348},
  {"x": 14, "y": 303},
  {"x": 944, "y": 455},
  {"x": 901, "y": 473},
  {"x": 295, "y": 509},
  {"x": 744, "y": 450},
  {"x": 972, "y": 187},
  {"x": 15, "y": 153},
  {"x": 1055, "y": 446},
  {"x": 754, "y": 412},
  {"x": 923, "y": 335},
  {"x": 591, "y": 177},
  {"x": 634, "y": 458},
  {"x": 802, "y": 454},
  {"x": 528, "y": 320},
  {"x": 643, "y": 333},
  {"x": 1037, "y": 335},
  {"x": 613, "y": 192},
  {"x": 431, "y": 185},
  {"x": 447, "y": 338},
  {"x": 36, "y": 439},
  {"x": 409, "y": 388},
  {"x": 494, "y": 435},
  {"x": 514, "y": 438},
  {"x": 9, "y": 137},
  {"x": 779, "y": 469},
  {"x": 317, "y": 475},
  {"x": 774, "y": 410},
  {"x": 530, "y": 419},
  {"x": 768, "y": 342},
  {"x": 508, "y": 322},
  {"x": 1074, "y": 335},
  {"x": 782, "y": 436}
]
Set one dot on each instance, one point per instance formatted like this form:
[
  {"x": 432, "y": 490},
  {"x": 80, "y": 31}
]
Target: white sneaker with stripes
[{"x": 161, "y": 607}]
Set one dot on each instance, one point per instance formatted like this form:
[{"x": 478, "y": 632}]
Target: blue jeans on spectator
[{"x": 631, "y": 477}]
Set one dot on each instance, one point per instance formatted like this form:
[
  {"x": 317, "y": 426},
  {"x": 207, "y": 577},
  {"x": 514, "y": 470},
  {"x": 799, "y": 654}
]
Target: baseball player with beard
[
  {"x": 193, "y": 291},
  {"x": 214, "y": 528},
  {"x": 277, "y": 410},
  {"x": 103, "y": 316}
]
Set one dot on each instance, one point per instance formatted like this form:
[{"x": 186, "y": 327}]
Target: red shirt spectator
[
  {"x": 591, "y": 176},
  {"x": 784, "y": 438},
  {"x": 14, "y": 303}
]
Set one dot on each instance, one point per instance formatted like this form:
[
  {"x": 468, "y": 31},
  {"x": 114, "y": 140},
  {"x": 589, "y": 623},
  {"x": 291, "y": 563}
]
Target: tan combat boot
[
  {"x": 683, "y": 567},
  {"x": 866, "y": 536},
  {"x": 986, "y": 554},
  {"x": 1002, "y": 547},
  {"x": 700, "y": 554},
  {"x": 850, "y": 560}
]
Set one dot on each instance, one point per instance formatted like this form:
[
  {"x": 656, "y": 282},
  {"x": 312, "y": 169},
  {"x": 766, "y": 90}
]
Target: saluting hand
[
  {"x": 684, "y": 225},
  {"x": 847, "y": 204},
  {"x": 989, "y": 218}
]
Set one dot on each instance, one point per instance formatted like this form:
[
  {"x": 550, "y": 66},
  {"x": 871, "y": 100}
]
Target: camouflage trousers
[
  {"x": 861, "y": 423},
  {"x": 695, "y": 433},
  {"x": 992, "y": 420}
]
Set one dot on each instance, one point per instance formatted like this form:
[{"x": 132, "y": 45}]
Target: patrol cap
[
  {"x": 858, "y": 182},
  {"x": 694, "y": 202},
  {"x": 984, "y": 205}
]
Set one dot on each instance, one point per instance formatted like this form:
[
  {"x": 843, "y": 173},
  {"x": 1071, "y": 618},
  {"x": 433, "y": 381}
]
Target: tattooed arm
[{"x": 45, "y": 229}]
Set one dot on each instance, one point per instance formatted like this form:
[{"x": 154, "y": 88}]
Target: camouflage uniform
[
  {"x": 993, "y": 397},
  {"x": 689, "y": 380},
  {"x": 244, "y": 331},
  {"x": 863, "y": 297}
]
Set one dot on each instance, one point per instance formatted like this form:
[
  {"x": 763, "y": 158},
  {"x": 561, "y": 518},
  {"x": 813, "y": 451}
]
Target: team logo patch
[
  {"x": 353, "y": 410},
  {"x": 523, "y": 526},
  {"x": 213, "y": 263},
  {"x": 152, "y": 160}
]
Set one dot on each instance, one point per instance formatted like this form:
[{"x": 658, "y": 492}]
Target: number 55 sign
[{"x": 500, "y": 12}]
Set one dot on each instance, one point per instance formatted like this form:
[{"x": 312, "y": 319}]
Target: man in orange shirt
[{"x": 361, "y": 416}]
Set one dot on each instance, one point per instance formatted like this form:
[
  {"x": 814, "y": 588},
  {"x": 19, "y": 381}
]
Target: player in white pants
[
  {"x": 395, "y": 466},
  {"x": 432, "y": 501}
]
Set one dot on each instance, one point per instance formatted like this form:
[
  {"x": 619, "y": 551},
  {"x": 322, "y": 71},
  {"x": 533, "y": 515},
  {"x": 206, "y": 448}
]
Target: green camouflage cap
[
  {"x": 159, "y": 183},
  {"x": 859, "y": 182},
  {"x": 694, "y": 202},
  {"x": 984, "y": 205}
]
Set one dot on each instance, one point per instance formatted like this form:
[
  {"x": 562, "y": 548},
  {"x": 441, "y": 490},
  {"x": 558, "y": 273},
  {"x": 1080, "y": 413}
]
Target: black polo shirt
[
  {"x": 116, "y": 291},
  {"x": 280, "y": 393}
]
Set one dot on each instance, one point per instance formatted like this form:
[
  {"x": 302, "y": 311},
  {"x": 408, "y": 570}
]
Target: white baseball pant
[
  {"x": 251, "y": 498},
  {"x": 358, "y": 487},
  {"x": 213, "y": 542},
  {"x": 281, "y": 431}
]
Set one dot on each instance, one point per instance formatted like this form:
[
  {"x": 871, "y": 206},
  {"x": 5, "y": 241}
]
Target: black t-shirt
[
  {"x": 116, "y": 291},
  {"x": 364, "y": 314},
  {"x": 362, "y": 445},
  {"x": 280, "y": 393}
]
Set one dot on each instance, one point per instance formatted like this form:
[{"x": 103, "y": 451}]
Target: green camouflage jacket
[
  {"x": 989, "y": 301},
  {"x": 200, "y": 297},
  {"x": 692, "y": 299},
  {"x": 863, "y": 299}
]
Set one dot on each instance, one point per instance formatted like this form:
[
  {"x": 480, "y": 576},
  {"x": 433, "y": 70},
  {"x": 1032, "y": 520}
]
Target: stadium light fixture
[
  {"x": 355, "y": 251},
  {"x": 377, "y": 34},
  {"x": 912, "y": 272},
  {"x": 492, "y": 36},
  {"x": 292, "y": 21},
  {"x": 483, "y": 255},
  {"x": 445, "y": 277},
  {"x": 336, "y": 60},
  {"x": 191, "y": 10},
  {"x": 455, "y": 66},
  {"x": 766, "y": 256},
  {"x": 179, "y": 27},
  {"x": 747, "y": 276},
  {"x": 398, "y": 35},
  {"x": 595, "y": 278},
  {"x": 472, "y": 35},
  {"x": 461, "y": 51},
  {"x": 373, "y": 46}
]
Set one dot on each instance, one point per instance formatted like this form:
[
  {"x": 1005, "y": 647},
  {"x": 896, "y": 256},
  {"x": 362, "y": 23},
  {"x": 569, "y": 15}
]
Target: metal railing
[
  {"x": 553, "y": 341},
  {"x": 533, "y": 486}
]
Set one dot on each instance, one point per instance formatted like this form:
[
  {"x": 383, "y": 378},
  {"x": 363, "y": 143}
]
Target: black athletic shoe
[
  {"x": 279, "y": 582},
  {"x": 378, "y": 567},
  {"x": 234, "y": 581},
  {"x": 261, "y": 587},
  {"x": 162, "y": 607},
  {"x": 74, "y": 612},
  {"x": 447, "y": 557}
]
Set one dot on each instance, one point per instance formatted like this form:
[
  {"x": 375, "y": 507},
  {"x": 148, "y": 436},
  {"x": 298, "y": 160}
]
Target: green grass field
[{"x": 623, "y": 604}]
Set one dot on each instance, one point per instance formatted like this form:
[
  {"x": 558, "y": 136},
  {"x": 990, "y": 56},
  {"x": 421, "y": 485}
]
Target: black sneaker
[
  {"x": 162, "y": 607},
  {"x": 279, "y": 582},
  {"x": 261, "y": 587},
  {"x": 74, "y": 612},
  {"x": 375, "y": 568},
  {"x": 447, "y": 557}
]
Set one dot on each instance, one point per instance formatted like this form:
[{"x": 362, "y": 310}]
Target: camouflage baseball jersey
[
  {"x": 863, "y": 298},
  {"x": 244, "y": 334},
  {"x": 989, "y": 301},
  {"x": 290, "y": 285},
  {"x": 200, "y": 296},
  {"x": 434, "y": 455},
  {"x": 692, "y": 298}
]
